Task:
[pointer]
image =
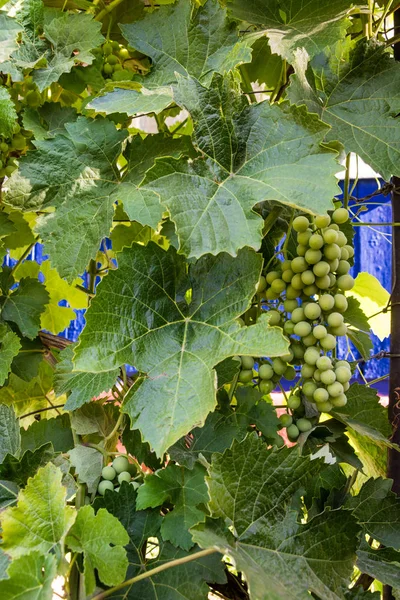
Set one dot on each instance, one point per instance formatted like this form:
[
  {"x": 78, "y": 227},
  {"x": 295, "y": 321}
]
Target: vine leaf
[
  {"x": 8, "y": 494},
  {"x": 76, "y": 173},
  {"x": 362, "y": 341},
  {"x": 10, "y": 438},
  {"x": 377, "y": 509},
  {"x": 10, "y": 345},
  {"x": 351, "y": 101},
  {"x": 19, "y": 470},
  {"x": 27, "y": 396},
  {"x": 9, "y": 29},
  {"x": 373, "y": 298},
  {"x": 186, "y": 490},
  {"x": 30, "y": 577},
  {"x": 88, "y": 463},
  {"x": 355, "y": 316},
  {"x": 130, "y": 100},
  {"x": 211, "y": 199},
  {"x": 382, "y": 564},
  {"x": 255, "y": 490},
  {"x": 100, "y": 538},
  {"x": 8, "y": 114},
  {"x": 44, "y": 495},
  {"x": 294, "y": 24},
  {"x": 83, "y": 386},
  {"x": 210, "y": 44},
  {"x": 57, "y": 431},
  {"x": 25, "y": 305},
  {"x": 177, "y": 344}
]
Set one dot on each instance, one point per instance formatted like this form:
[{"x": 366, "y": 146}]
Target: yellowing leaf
[{"x": 372, "y": 297}]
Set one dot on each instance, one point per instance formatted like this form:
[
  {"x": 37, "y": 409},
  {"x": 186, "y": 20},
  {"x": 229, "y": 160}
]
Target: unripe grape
[
  {"x": 124, "y": 53},
  {"x": 33, "y": 98},
  {"x": 135, "y": 484},
  {"x": 112, "y": 59},
  {"x": 309, "y": 340},
  {"x": 278, "y": 286},
  {"x": 279, "y": 366},
  {"x": 105, "y": 485},
  {"x": 324, "y": 282},
  {"x": 321, "y": 269},
  {"x": 309, "y": 388},
  {"x": 332, "y": 251},
  {"x": 122, "y": 75},
  {"x": 108, "y": 69},
  {"x": 345, "y": 282},
  {"x": 343, "y": 267},
  {"x": 350, "y": 250},
  {"x": 124, "y": 476},
  {"x": 316, "y": 241},
  {"x": 287, "y": 275},
  {"x": 312, "y": 311},
  {"x": 272, "y": 275},
  {"x": 278, "y": 441},
  {"x": 120, "y": 463},
  {"x": 319, "y": 332},
  {"x": 108, "y": 473},
  {"x": 107, "y": 48},
  {"x": 313, "y": 256},
  {"x": 300, "y": 223},
  {"x": 290, "y": 373},
  {"x": 340, "y": 215},
  {"x": 3, "y": 147},
  {"x": 342, "y": 240},
  {"x": 261, "y": 284},
  {"x": 298, "y": 350},
  {"x": 302, "y": 329},
  {"x": 320, "y": 395},
  {"x": 310, "y": 290},
  {"x": 285, "y": 265},
  {"x": 297, "y": 315},
  {"x": 332, "y": 280},
  {"x": 303, "y": 425},
  {"x": 297, "y": 282},
  {"x": 343, "y": 375},
  {"x": 286, "y": 420},
  {"x": 288, "y": 327},
  {"x": 274, "y": 317},
  {"x": 339, "y": 331},
  {"x": 299, "y": 265},
  {"x": 266, "y": 386},
  {"x": 247, "y": 362},
  {"x": 335, "y": 319},
  {"x": 308, "y": 277},
  {"x": 333, "y": 264},
  {"x": 335, "y": 389},
  {"x": 290, "y": 305},
  {"x": 9, "y": 170},
  {"x": 18, "y": 142},
  {"x": 324, "y": 363},
  {"x": 324, "y": 406},
  {"x": 317, "y": 375},
  {"x": 291, "y": 292},
  {"x": 303, "y": 237},
  {"x": 292, "y": 432},
  {"x": 246, "y": 376},
  {"x": 341, "y": 303},
  {"x": 307, "y": 371},
  {"x": 301, "y": 249},
  {"x": 343, "y": 363},
  {"x": 271, "y": 295},
  {"x": 322, "y": 221},
  {"x": 330, "y": 236},
  {"x": 344, "y": 255},
  {"x": 266, "y": 371},
  {"x": 288, "y": 357},
  {"x": 240, "y": 322},
  {"x": 339, "y": 401},
  {"x": 328, "y": 377},
  {"x": 326, "y": 302},
  {"x": 346, "y": 386},
  {"x": 311, "y": 356},
  {"x": 328, "y": 342},
  {"x": 294, "y": 401}
]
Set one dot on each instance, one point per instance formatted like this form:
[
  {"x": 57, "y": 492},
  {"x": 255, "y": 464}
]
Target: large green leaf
[
  {"x": 186, "y": 490},
  {"x": 135, "y": 99},
  {"x": 9, "y": 29},
  {"x": 23, "y": 531},
  {"x": 139, "y": 316},
  {"x": 88, "y": 463},
  {"x": 187, "y": 40},
  {"x": 10, "y": 439},
  {"x": 100, "y": 538},
  {"x": 377, "y": 509},
  {"x": 57, "y": 431},
  {"x": 252, "y": 154},
  {"x": 30, "y": 578},
  {"x": 76, "y": 173},
  {"x": 294, "y": 24},
  {"x": 360, "y": 99},
  {"x": 8, "y": 114},
  {"x": 10, "y": 345},
  {"x": 25, "y": 305},
  {"x": 382, "y": 564}
]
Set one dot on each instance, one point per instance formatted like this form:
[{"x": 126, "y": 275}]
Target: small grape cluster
[
  {"x": 113, "y": 475},
  {"x": 114, "y": 57},
  {"x": 11, "y": 149}
]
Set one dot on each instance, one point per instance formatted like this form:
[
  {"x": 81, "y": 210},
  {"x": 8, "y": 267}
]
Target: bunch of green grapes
[
  {"x": 11, "y": 148},
  {"x": 114, "y": 57},
  {"x": 26, "y": 93},
  {"x": 113, "y": 475}
]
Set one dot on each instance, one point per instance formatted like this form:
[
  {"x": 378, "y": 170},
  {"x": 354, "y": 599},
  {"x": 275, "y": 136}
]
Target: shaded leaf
[
  {"x": 9, "y": 29},
  {"x": 382, "y": 564},
  {"x": 19, "y": 470},
  {"x": 8, "y": 494},
  {"x": 88, "y": 463},
  {"x": 10, "y": 345},
  {"x": 30, "y": 577},
  {"x": 8, "y": 114},
  {"x": 355, "y": 316},
  {"x": 56, "y": 430},
  {"x": 10, "y": 439},
  {"x": 25, "y": 305}
]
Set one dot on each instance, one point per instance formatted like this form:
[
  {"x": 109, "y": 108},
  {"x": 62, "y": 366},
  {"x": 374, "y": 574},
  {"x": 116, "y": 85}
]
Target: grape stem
[
  {"x": 107, "y": 10},
  {"x": 151, "y": 572}
]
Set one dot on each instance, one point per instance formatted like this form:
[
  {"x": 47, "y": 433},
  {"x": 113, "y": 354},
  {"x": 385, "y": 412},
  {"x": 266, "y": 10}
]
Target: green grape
[
  {"x": 326, "y": 302},
  {"x": 332, "y": 251},
  {"x": 313, "y": 256},
  {"x": 16, "y": 128},
  {"x": 301, "y": 250},
  {"x": 340, "y": 215},
  {"x": 287, "y": 275},
  {"x": 302, "y": 329},
  {"x": 308, "y": 277},
  {"x": 320, "y": 394},
  {"x": 123, "y": 75},
  {"x": 33, "y": 99},
  {"x": 271, "y": 276},
  {"x": 115, "y": 45},
  {"x": 341, "y": 303},
  {"x": 332, "y": 280},
  {"x": 292, "y": 432},
  {"x": 18, "y": 142},
  {"x": 3, "y": 147},
  {"x": 322, "y": 221},
  {"x": 266, "y": 371},
  {"x": 297, "y": 282},
  {"x": 312, "y": 311},
  {"x": 300, "y": 224},
  {"x": 311, "y": 356},
  {"x": 290, "y": 305},
  {"x": 288, "y": 357},
  {"x": 285, "y": 265},
  {"x": 339, "y": 331},
  {"x": 261, "y": 285},
  {"x": 279, "y": 442},
  {"x": 346, "y": 386},
  {"x": 343, "y": 267},
  {"x": 309, "y": 388},
  {"x": 324, "y": 282},
  {"x": 274, "y": 317},
  {"x": 290, "y": 373},
  {"x": 247, "y": 362},
  {"x": 271, "y": 295},
  {"x": 330, "y": 236},
  {"x": 240, "y": 321},
  {"x": 120, "y": 463},
  {"x": 246, "y": 375},
  {"x": 279, "y": 366},
  {"x": 288, "y": 327},
  {"x": 343, "y": 374},
  {"x": 335, "y": 389},
  {"x": 316, "y": 241},
  {"x": 343, "y": 363},
  {"x": 345, "y": 282},
  {"x": 105, "y": 485},
  {"x": 118, "y": 67},
  {"x": 298, "y": 350},
  {"x": 304, "y": 236},
  {"x": 108, "y": 69},
  {"x": 344, "y": 255},
  {"x": 291, "y": 292},
  {"x": 339, "y": 401},
  {"x": 324, "y": 406},
  {"x": 303, "y": 425},
  {"x": 107, "y": 48},
  {"x": 112, "y": 59},
  {"x": 321, "y": 269},
  {"x": 335, "y": 319},
  {"x": 319, "y": 332},
  {"x": 124, "y": 476},
  {"x": 309, "y": 340},
  {"x": 286, "y": 420},
  {"x": 307, "y": 371},
  {"x": 324, "y": 363},
  {"x": 135, "y": 484},
  {"x": 266, "y": 386},
  {"x": 297, "y": 315},
  {"x": 328, "y": 377},
  {"x": 328, "y": 342},
  {"x": 124, "y": 53},
  {"x": 310, "y": 290},
  {"x": 108, "y": 473},
  {"x": 342, "y": 240},
  {"x": 317, "y": 375},
  {"x": 333, "y": 264},
  {"x": 9, "y": 170},
  {"x": 350, "y": 250},
  {"x": 278, "y": 286},
  {"x": 2, "y": 173},
  {"x": 299, "y": 264},
  {"x": 294, "y": 401}
]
